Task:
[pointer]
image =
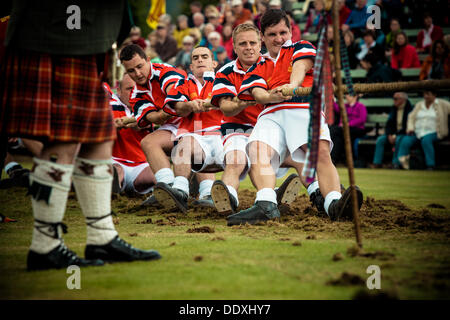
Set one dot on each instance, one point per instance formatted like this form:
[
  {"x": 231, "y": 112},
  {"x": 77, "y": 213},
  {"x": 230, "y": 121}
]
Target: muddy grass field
[{"x": 405, "y": 223}]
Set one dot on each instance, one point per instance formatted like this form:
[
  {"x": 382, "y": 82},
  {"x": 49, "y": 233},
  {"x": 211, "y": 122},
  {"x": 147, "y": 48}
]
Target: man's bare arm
[
  {"x": 263, "y": 96},
  {"x": 230, "y": 108}
]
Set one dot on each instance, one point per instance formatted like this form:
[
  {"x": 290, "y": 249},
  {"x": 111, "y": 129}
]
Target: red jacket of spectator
[
  {"x": 228, "y": 45},
  {"x": 343, "y": 14},
  {"x": 243, "y": 17},
  {"x": 296, "y": 33},
  {"x": 436, "y": 34},
  {"x": 406, "y": 58}
]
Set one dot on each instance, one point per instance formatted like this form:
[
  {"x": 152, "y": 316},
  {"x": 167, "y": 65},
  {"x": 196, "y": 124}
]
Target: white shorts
[
  {"x": 237, "y": 142},
  {"x": 286, "y": 131},
  {"x": 169, "y": 127},
  {"x": 129, "y": 176},
  {"x": 212, "y": 147}
]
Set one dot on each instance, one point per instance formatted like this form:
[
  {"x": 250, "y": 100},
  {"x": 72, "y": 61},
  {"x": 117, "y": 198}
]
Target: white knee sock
[
  {"x": 164, "y": 175},
  {"x": 333, "y": 195},
  {"x": 49, "y": 188},
  {"x": 266, "y": 194},
  {"x": 93, "y": 181},
  {"x": 181, "y": 183},
  {"x": 313, "y": 187},
  {"x": 204, "y": 188},
  {"x": 233, "y": 192}
]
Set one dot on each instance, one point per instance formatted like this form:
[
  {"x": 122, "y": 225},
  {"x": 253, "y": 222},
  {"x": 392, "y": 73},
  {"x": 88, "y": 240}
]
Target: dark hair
[
  {"x": 444, "y": 45},
  {"x": 371, "y": 33},
  {"x": 127, "y": 53},
  {"x": 197, "y": 4},
  {"x": 272, "y": 17},
  {"x": 370, "y": 58},
  {"x": 396, "y": 46}
]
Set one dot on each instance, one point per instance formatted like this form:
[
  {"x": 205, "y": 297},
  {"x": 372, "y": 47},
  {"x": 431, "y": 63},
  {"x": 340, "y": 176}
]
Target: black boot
[
  {"x": 60, "y": 257},
  {"x": 287, "y": 192},
  {"x": 223, "y": 200},
  {"x": 206, "y": 202},
  {"x": 318, "y": 201},
  {"x": 261, "y": 211},
  {"x": 342, "y": 209},
  {"x": 118, "y": 250},
  {"x": 171, "y": 198}
]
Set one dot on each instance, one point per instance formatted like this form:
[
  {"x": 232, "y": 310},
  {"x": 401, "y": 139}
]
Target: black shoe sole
[
  {"x": 167, "y": 199},
  {"x": 221, "y": 198},
  {"x": 346, "y": 211},
  {"x": 289, "y": 190}
]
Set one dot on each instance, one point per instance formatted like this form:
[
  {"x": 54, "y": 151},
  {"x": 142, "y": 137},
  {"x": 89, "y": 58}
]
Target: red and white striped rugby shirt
[{"x": 270, "y": 73}]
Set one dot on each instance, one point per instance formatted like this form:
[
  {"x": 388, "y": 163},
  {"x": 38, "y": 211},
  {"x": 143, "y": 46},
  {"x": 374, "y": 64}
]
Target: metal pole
[{"x": 345, "y": 127}]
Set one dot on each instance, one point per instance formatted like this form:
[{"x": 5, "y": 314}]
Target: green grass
[{"x": 258, "y": 262}]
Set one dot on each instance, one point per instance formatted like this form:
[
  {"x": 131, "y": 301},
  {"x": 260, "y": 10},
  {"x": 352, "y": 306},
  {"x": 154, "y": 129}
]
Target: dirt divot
[
  {"x": 347, "y": 279},
  {"x": 204, "y": 229}
]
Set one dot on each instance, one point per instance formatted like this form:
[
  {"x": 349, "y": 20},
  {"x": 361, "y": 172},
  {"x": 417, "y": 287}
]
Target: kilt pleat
[{"x": 53, "y": 98}]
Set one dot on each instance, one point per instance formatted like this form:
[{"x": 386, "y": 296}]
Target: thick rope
[{"x": 380, "y": 87}]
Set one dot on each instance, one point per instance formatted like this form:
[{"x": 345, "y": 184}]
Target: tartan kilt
[{"x": 53, "y": 98}]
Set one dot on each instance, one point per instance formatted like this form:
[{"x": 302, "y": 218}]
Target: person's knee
[
  {"x": 235, "y": 160},
  {"x": 260, "y": 152},
  {"x": 324, "y": 157}
]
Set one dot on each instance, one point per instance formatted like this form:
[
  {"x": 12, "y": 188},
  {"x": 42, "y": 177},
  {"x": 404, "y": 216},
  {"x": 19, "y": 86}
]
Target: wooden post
[{"x": 345, "y": 127}]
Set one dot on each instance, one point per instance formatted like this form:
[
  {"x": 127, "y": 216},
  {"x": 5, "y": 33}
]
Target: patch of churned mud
[
  {"x": 203, "y": 229},
  {"x": 375, "y": 215},
  {"x": 347, "y": 279}
]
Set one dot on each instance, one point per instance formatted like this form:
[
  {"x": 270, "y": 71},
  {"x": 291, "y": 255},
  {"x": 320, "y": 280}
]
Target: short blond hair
[{"x": 244, "y": 27}]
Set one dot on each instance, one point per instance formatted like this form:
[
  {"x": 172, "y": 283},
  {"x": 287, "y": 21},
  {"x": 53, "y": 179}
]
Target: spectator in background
[
  {"x": 369, "y": 43},
  {"x": 357, "y": 116},
  {"x": 199, "y": 21},
  {"x": 215, "y": 40},
  {"x": 150, "y": 51},
  {"x": 427, "y": 123},
  {"x": 357, "y": 19},
  {"x": 181, "y": 30},
  {"x": 436, "y": 65},
  {"x": 227, "y": 40},
  {"x": 166, "y": 45},
  {"x": 209, "y": 27},
  {"x": 136, "y": 37},
  {"x": 242, "y": 14},
  {"x": 214, "y": 18},
  {"x": 295, "y": 30},
  {"x": 426, "y": 36},
  {"x": 352, "y": 49},
  {"x": 344, "y": 12},
  {"x": 195, "y": 7},
  {"x": 262, "y": 7},
  {"x": 167, "y": 20},
  {"x": 229, "y": 18},
  {"x": 376, "y": 71},
  {"x": 395, "y": 28},
  {"x": 197, "y": 35},
  {"x": 183, "y": 58},
  {"x": 275, "y": 4},
  {"x": 395, "y": 130},
  {"x": 403, "y": 54},
  {"x": 222, "y": 58}
]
